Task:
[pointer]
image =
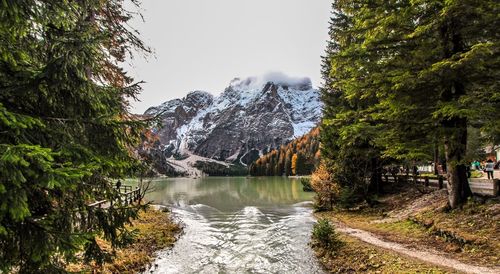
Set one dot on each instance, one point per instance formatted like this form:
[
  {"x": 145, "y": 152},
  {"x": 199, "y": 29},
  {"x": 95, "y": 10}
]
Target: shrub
[
  {"x": 324, "y": 235},
  {"x": 306, "y": 184},
  {"x": 319, "y": 205},
  {"x": 327, "y": 190}
]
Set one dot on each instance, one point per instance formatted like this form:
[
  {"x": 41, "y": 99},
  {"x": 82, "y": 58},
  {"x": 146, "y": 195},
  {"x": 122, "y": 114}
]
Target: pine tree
[
  {"x": 288, "y": 162},
  {"x": 440, "y": 70},
  {"x": 65, "y": 132},
  {"x": 348, "y": 129},
  {"x": 407, "y": 73},
  {"x": 463, "y": 75}
]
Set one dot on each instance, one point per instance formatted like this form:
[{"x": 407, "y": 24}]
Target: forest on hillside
[{"x": 299, "y": 157}]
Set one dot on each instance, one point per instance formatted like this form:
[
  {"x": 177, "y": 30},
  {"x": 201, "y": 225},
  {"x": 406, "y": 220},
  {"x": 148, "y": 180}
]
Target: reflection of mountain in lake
[{"x": 230, "y": 193}]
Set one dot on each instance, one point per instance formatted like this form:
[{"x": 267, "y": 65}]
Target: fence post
[
  {"x": 440, "y": 180},
  {"x": 426, "y": 182}
]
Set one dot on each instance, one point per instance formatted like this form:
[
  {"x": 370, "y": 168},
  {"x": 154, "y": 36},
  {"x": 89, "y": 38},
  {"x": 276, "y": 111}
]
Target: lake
[{"x": 237, "y": 225}]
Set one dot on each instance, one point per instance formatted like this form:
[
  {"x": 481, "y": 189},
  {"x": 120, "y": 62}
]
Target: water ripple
[{"x": 251, "y": 240}]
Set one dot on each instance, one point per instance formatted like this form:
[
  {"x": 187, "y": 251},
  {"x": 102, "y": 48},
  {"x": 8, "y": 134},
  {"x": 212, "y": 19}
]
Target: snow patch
[{"x": 187, "y": 165}]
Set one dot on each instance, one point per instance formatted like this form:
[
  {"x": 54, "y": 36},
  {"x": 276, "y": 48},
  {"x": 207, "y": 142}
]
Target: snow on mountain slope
[{"x": 251, "y": 115}]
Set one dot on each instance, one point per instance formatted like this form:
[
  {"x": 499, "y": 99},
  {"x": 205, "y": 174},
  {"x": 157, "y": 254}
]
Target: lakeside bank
[{"x": 156, "y": 230}]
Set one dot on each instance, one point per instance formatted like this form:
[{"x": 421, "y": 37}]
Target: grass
[
  {"x": 156, "y": 231},
  {"x": 355, "y": 256},
  {"x": 469, "y": 234},
  {"x": 474, "y": 230}
]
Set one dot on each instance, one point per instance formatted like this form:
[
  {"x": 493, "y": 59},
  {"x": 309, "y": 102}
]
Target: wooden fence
[
  {"x": 478, "y": 186},
  {"x": 127, "y": 196}
]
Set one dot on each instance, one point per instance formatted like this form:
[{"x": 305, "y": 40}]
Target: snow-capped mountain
[{"x": 250, "y": 116}]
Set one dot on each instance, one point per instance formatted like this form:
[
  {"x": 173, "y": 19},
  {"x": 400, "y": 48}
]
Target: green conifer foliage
[
  {"x": 405, "y": 75},
  {"x": 65, "y": 132},
  {"x": 348, "y": 130}
]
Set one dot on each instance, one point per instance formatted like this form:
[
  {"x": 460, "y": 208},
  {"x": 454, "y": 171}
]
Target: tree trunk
[
  {"x": 455, "y": 131},
  {"x": 376, "y": 177},
  {"x": 455, "y": 127}
]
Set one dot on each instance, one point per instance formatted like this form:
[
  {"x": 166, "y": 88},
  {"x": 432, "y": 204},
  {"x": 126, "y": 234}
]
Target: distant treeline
[
  {"x": 299, "y": 157},
  {"x": 216, "y": 169}
]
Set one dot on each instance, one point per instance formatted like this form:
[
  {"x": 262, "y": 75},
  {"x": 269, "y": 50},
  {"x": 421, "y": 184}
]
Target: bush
[
  {"x": 326, "y": 189},
  {"x": 306, "y": 184},
  {"x": 324, "y": 235},
  {"x": 319, "y": 205}
]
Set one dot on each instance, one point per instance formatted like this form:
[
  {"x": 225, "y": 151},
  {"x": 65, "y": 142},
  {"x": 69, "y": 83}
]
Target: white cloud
[{"x": 275, "y": 77}]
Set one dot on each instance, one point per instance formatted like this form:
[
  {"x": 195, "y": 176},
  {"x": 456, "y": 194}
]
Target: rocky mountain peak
[
  {"x": 251, "y": 115},
  {"x": 199, "y": 98}
]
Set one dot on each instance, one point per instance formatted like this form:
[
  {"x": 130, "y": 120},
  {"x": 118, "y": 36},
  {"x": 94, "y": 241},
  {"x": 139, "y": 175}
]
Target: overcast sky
[{"x": 204, "y": 44}]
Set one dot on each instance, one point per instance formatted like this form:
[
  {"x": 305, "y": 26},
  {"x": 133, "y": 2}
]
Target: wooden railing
[
  {"x": 478, "y": 186},
  {"x": 127, "y": 196},
  {"x": 424, "y": 180},
  {"x": 130, "y": 195}
]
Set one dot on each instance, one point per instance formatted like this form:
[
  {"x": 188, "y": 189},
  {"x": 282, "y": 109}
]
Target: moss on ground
[{"x": 155, "y": 231}]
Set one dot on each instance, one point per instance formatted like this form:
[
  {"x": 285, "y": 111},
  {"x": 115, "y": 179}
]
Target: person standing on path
[
  {"x": 489, "y": 169},
  {"x": 477, "y": 165}
]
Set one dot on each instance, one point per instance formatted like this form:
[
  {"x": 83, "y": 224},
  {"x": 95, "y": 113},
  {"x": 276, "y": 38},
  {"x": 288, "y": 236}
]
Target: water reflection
[{"x": 228, "y": 193}]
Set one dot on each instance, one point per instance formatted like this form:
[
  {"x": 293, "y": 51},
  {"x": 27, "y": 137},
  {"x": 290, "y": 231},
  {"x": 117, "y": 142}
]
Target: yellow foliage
[
  {"x": 318, "y": 154},
  {"x": 294, "y": 164},
  {"x": 321, "y": 181}
]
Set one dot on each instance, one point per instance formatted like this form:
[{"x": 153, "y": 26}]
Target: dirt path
[{"x": 428, "y": 256}]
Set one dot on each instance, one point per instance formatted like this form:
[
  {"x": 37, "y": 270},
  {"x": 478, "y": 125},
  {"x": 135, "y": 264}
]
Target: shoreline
[
  {"x": 161, "y": 177},
  {"x": 156, "y": 230}
]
